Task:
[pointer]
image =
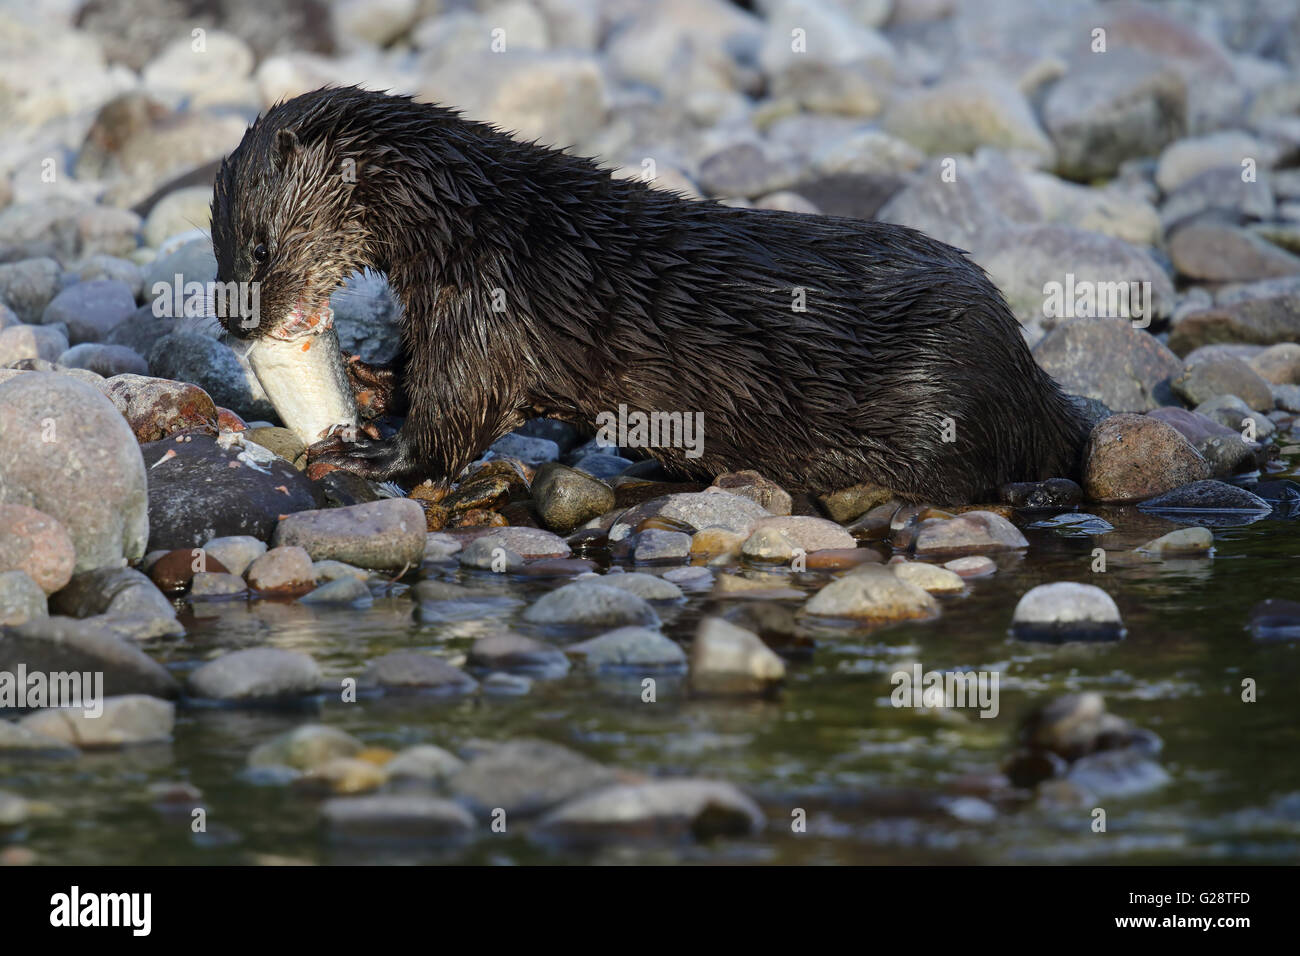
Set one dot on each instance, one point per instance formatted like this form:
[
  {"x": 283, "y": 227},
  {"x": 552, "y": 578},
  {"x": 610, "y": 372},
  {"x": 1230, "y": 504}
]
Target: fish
[{"x": 300, "y": 367}]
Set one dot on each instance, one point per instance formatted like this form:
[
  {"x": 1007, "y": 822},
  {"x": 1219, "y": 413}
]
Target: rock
[
  {"x": 211, "y": 365},
  {"x": 1111, "y": 108},
  {"x": 345, "y": 590},
  {"x": 193, "y": 261},
  {"x": 767, "y": 494},
  {"x": 601, "y": 465},
  {"x": 1109, "y": 360},
  {"x": 726, "y": 659},
  {"x": 1132, "y": 457},
  {"x": 655, "y": 545},
  {"x": 439, "y": 546},
  {"x": 210, "y": 584},
  {"x": 1034, "y": 495},
  {"x": 1231, "y": 412},
  {"x": 552, "y": 97},
  {"x": 15, "y": 739},
  {"x": 714, "y": 542},
  {"x": 1207, "y": 496},
  {"x": 156, "y": 408},
  {"x": 929, "y": 577},
  {"x": 21, "y": 598},
  {"x": 809, "y": 533},
  {"x": 769, "y": 544},
  {"x": 257, "y": 674},
  {"x": 125, "y": 721},
  {"x": 305, "y": 748},
  {"x": 526, "y": 777},
  {"x": 343, "y": 775},
  {"x": 584, "y": 604},
  {"x": 961, "y": 115},
  {"x": 1217, "y": 194},
  {"x": 639, "y": 649},
  {"x": 1219, "y": 252},
  {"x": 702, "y": 509},
  {"x": 1075, "y": 725},
  {"x": 200, "y": 490},
  {"x": 62, "y": 643},
  {"x": 1275, "y": 620},
  {"x": 846, "y": 504},
  {"x": 236, "y": 552},
  {"x": 67, "y": 452},
  {"x": 24, "y": 342},
  {"x": 104, "y": 360},
  {"x": 647, "y": 586},
  {"x": 115, "y": 593},
  {"x": 28, "y": 286},
  {"x": 566, "y": 497},
  {"x": 175, "y": 570},
  {"x": 1278, "y": 364},
  {"x": 1117, "y": 773},
  {"x": 745, "y": 169},
  {"x": 424, "y": 763},
  {"x": 872, "y": 593},
  {"x": 90, "y": 310},
  {"x": 1222, "y": 447},
  {"x": 975, "y": 566},
  {"x": 282, "y": 569},
  {"x": 414, "y": 671},
  {"x": 180, "y": 211},
  {"x": 532, "y": 543},
  {"x": 661, "y": 811},
  {"x": 1183, "y": 542},
  {"x": 1065, "y": 610},
  {"x": 1261, "y": 321},
  {"x": 1209, "y": 378},
  {"x": 489, "y": 553},
  {"x": 387, "y": 535},
  {"x": 37, "y": 544},
  {"x": 518, "y": 654},
  {"x": 969, "y": 531},
  {"x": 1187, "y": 158},
  {"x": 531, "y": 451},
  {"x": 399, "y": 819},
  {"x": 283, "y": 441}
]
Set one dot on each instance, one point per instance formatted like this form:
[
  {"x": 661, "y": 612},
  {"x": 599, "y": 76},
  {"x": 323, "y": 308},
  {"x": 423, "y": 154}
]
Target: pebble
[
  {"x": 699, "y": 510},
  {"x": 209, "y": 584},
  {"x": 518, "y": 654},
  {"x": 399, "y": 819},
  {"x": 1183, "y": 542},
  {"x": 646, "y": 586},
  {"x": 424, "y": 763},
  {"x": 490, "y": 553},
  {"x": 659, "y": 810},
  {"x": 1226, "y": 375},
  {"x": 1107, "y": 359},
  {"x": 90, "y": 310},
  {"x": 526, "y": 778},
  {"x": 415, "y": 671},
  {"x": 346, "y": 590},
  {"x": 726, "y": 659},
  {"x": 656, "y": 545},
  {"x": 763, "y": 491},
  {"x": 257, "y": 674},
  {"x": 872, "y": 593},
  {"x": 1066, "y": 610},
  {"x": 388, "y": 534},
  {"x": 104, "y": 509},
  {"x": 282, "y": 570},
  {"x": 566, "y": 497},
  {"x": 1132, "y": 457},
  {"x": 35, "y": 543},
  {"x": 125, "y": 721},
  {"x": 64, "y": 643},
  {"x": 929, "y": 577},
  {"x": 1207, "y": 496},
  {"x": 21, "y": 598},
  {"x": 104, "y": 360},
  {"x": 974, "y": 566},
  {"x": 305, "y": 748},
  {"x": 235, "y": 552},
  {"x": 585, "y": 604},
  {"x": 969, "y": 531},
  {"x": 636, "y": 649},
  {"x": 156, "y": 408}
]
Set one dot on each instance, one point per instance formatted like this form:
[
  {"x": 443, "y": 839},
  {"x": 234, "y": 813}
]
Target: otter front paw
[
  {"x": 377, "y": 388},
  {"x": 376, "y": 459}
]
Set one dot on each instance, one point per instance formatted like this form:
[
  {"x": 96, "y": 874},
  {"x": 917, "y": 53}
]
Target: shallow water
[{"x": 877, "y": 782}]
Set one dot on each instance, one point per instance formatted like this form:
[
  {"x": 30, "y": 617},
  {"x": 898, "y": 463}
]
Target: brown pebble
[
  {"x": 834, "y": 558},
  {"x": 174, "y": 571}
]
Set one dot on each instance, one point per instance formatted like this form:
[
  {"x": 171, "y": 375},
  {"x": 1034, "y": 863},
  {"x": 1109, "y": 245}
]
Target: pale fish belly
[{"x": 301, "y": 370}]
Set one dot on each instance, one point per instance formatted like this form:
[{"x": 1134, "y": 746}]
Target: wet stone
[
  {"x": 872, "y": 593},
  {"x": 415, "y": 671},
  {"x": 518, "y": 654},
  {"x": 527, "y": 777},
  {"x": 630, "y": 649},
  {"x": 258, "y": 674},
  {"x": 1064, "y": 611},
  {"x": 660, "y": 811},
  {"x": 726, "y": 659},
  {"x": 585, "y": 604}
]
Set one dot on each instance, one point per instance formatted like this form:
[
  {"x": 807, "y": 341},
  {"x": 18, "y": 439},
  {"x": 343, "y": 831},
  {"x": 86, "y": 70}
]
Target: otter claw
[
  {"x": 373, "y": 458},
  {"x": 377, "y": 387}
]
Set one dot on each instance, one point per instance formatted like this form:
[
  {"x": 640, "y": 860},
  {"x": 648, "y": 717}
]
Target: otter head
[{"x": 285, "y": 228}]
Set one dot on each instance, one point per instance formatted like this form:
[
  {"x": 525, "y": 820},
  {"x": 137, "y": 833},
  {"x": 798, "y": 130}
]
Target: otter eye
[{"x": 260, "y": 253}]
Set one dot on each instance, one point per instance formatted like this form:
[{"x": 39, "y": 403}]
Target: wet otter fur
[{"x": 533, "y": 284}]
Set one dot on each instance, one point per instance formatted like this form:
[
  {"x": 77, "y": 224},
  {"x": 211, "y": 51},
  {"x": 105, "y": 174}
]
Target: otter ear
[{"x": 286, "y": 146}]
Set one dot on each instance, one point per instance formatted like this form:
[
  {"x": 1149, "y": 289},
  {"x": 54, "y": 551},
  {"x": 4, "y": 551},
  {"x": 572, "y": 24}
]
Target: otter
[{"x": 823, "y": 352}]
